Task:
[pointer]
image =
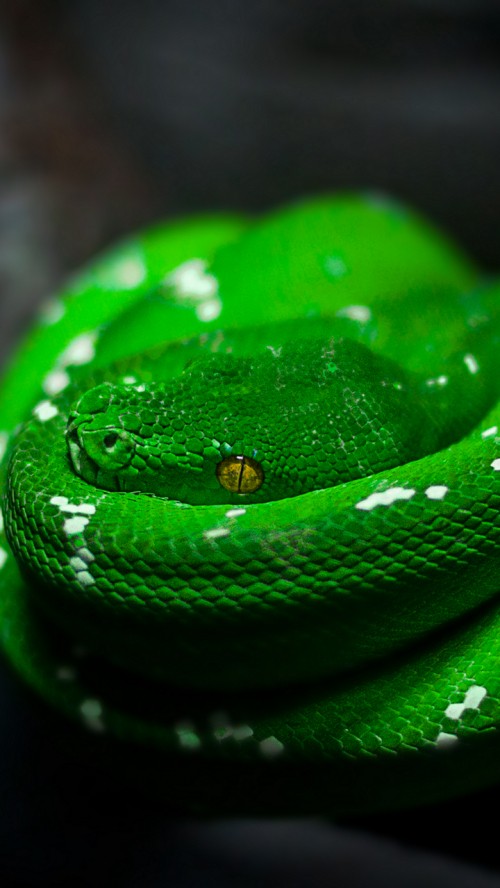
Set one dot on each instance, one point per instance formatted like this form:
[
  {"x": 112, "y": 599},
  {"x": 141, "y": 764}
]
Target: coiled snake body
[{"x": 252, "y": 482}]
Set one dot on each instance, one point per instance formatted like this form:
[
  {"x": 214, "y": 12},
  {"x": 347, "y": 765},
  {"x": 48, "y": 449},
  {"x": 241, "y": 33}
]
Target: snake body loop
[{"x": 254, "y": 470}]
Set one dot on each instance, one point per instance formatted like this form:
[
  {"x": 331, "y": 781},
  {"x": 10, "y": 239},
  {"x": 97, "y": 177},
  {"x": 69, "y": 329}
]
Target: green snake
[{"x": 251, "y": 484}]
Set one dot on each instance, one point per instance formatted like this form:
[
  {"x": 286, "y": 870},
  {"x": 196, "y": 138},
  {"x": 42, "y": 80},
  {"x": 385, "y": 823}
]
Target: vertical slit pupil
[{"x": 241, "y": 460}]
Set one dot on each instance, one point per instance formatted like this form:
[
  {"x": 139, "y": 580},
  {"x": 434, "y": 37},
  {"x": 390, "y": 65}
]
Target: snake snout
[
  {"x": 98, "y": 444},
  {"x": 97, "y": 448}
]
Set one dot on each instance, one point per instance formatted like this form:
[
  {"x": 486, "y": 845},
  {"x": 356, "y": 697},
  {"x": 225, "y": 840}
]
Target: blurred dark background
[
  {"x": 115, "y": 113},
  {"x": 118, "y": 113}
]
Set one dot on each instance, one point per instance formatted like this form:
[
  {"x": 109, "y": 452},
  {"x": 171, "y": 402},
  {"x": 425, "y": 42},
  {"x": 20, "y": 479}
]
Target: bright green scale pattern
[{"x": 328, "y": 643}]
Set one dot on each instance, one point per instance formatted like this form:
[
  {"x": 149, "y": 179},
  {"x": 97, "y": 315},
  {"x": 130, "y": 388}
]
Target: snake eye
[{"x": 240, "y": 474}]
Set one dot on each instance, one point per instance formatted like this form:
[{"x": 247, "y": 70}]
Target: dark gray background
[{"x": 113, "y": 114}]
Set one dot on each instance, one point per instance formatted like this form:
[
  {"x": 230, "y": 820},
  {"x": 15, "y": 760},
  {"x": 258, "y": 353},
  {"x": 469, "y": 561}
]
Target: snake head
[{"x": 294, "y": 417}]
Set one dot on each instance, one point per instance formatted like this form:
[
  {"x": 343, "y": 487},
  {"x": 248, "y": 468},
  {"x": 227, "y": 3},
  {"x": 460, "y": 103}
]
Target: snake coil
[{"x": 251, "y": 491}]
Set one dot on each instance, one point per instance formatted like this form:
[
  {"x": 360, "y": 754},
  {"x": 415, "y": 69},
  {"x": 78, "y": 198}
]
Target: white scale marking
[
  {"x": 77, "y": 563},
  {"x": 271, "y": 747},
  {"x": 55, "y": 381},
  {"x": 235, "y": 513},
  {"x": 474, "y": 696},
  {"x": 495, "y": 465},
  {"x": 355, "y": 313},
  {"x": 85, "y": 578},
  {"x": 237, "y": 732},
  {"x": 209, "y": 310},
  {"x": 439, "y": 381},
  {"x": 216, "y": 532},
  {"x": 80, "y": 350},
  {"x": 335, "y": 266},
  {"x": 488, "y": 432},
  {"x": 188, "y": 738},
  {"x": 75, "y": 525},
  {"x": 79, "y": 522},
  {"x": 471, "y": 364},
  {"x": 66, "y": 506},
  {"x": 91, "y": 711},
  {"x": 385, "y": 498},
  {"x": 223, "y": 728},
  {"x": 436, "y": 492},
  {"x": 193, "y": 283},
  {"x": 242, "y": 732},
  {"x": 192, "y": 280},
  {"x": 45, "y": 410},
  {"x": 3, "y": 557},
  {"x": 445, "y": 740},
  {"x": 472, "y": 700},
  {"x": 129, "y": 273},
  {"x": 91, "y": 708},
  {"x": 85, "y": 555}
]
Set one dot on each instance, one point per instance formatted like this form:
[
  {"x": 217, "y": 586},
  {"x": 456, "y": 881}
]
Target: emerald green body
[{"x": 342, "y": 616}]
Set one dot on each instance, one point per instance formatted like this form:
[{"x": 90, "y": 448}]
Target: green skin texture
[{"x": 340, "y": 621}]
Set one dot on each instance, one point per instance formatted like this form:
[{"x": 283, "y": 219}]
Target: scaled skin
[
  {"x": 311, "y": 413},
  {"x": 286, "y": 593}
]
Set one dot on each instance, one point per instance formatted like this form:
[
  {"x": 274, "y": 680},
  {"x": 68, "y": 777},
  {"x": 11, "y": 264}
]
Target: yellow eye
[{"x": 240, "y": 474}]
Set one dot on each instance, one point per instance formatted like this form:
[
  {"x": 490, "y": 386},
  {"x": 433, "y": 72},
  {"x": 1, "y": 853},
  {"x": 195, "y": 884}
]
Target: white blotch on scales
[
  {"x": 472, "y": 700},
  {"x": 80, "y": 350},
  {"x": 45, "y": 410},
  {"x": 436, "y": 492},
  {"x": 385, "y": 498},
  {"x": 79, "y": 521},
  {"x": 196, "y": 287}
]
